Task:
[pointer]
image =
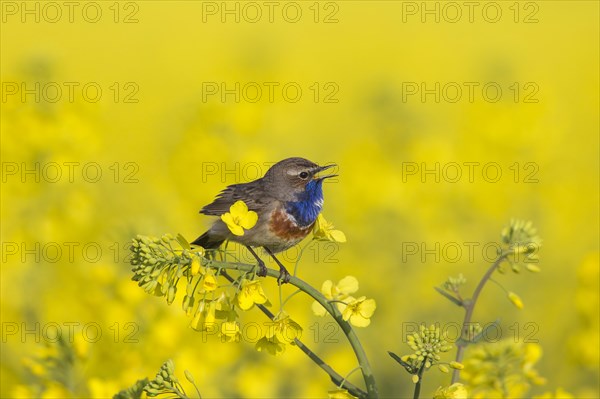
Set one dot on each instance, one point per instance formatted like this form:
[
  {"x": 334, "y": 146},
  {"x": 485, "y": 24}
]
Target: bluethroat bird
[{"x": 287, "y": 200}]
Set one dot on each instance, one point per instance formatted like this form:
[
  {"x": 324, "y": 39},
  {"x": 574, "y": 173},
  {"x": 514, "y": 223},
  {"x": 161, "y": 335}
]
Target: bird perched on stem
[{"x": 287, "y": 201}]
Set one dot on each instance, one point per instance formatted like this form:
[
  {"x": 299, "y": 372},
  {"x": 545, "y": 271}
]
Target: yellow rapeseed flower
[
  {"x": 560, "y": 394},
  {"x": 55, "y": 390},
  {"x": 239, "y": 218},
  {"x": 230, "y": 331},
  {"x": 81, "y": 346},
  {"x": 22, "y": 391},
  {"x": 209, "y": 282},
  {"x": 250, "y": 292},
  {"x": 271, "y": 346},
  {"x": 359, "y": 311},
  {"x": 195, "y": 265},
  {"x": 284, "y": 329},
  {"x": 324, "y": 231},
  {"x": 34, "y": 367},
  {"x": 225, "y": 307},
  {"x": 205, "y": 316},
  {"x": 340, "y": 394},
  {"x": 454, "y": 391},
  {"x": 342, "y": 290},
  {"x": 501, "y": 369}
]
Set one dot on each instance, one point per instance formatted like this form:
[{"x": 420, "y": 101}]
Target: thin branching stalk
[
  {"x": 417, "y": 391},
  {"x": 361, "y": 356},
  {"x": 469, "y": 306},
  {"x": 336, "y": 378}
]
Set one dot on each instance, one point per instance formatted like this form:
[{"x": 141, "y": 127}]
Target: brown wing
[{"x": 253, "y": 194}]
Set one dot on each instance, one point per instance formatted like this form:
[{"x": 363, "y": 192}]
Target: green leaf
[
  {"x": 402, "y": 362},
  {"x": 396, "y": 358},
  {"x": 445, "y": 294}
]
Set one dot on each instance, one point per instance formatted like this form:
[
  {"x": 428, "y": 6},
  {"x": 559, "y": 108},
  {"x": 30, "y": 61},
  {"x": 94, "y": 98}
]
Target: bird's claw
[
  {"x": 262, "y": 269},
  {"x": 284, "y": 276}
]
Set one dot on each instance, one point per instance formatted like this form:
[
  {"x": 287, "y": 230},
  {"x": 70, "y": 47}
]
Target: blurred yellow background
[{"x": 135, "y": 91}]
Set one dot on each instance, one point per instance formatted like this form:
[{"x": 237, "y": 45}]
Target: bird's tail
[{"x": 208, "y": 241}]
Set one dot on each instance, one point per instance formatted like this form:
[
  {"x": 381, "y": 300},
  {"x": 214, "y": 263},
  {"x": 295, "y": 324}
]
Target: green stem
[
  {"x": 290, "y": 297},
  {"x": 499, "y": 285},
  {"x": 197, "y": 391},
  {"x": 348, "y": 375},
  {"x": 300, "y": 256},
  {"x": 359, "y": 352},
  {"x": 336, "y": 378},
  {"x": 280, "y": 298},
  {"x": 469, "y": 308},
  {"x": 417, "y": 389},
  {"x": 418, "y": 384}
]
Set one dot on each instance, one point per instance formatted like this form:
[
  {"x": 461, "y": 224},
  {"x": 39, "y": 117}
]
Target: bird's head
[{"x": 291, "y": 178}]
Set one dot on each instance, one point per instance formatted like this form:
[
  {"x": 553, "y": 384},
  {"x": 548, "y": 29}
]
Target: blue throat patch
[{"x": 309, "y": 204}]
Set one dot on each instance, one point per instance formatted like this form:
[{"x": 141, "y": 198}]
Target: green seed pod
[
  {"x": 171, "y": 295},
  {"x": 170, "y": 366},
  {"x": 189, "y": 376}
]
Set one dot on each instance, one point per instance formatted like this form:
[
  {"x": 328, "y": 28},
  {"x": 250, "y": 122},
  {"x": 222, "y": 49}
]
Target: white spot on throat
[
  {"x": 291, "y": 218},
  {"x": 318, "y": 203}
]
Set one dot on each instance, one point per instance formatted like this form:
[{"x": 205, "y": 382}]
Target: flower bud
[
  {"x": 533, "y": 268},
  {"x": 457, "y": 365},
  {"x": 195, "y": 266},
  {"x": 189, "y": 376},
  {"x": 171, "y": 294},
  {"x": 516, "y": 300}
]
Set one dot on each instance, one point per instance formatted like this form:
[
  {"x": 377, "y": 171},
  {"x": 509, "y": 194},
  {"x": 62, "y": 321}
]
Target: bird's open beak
[{"x": 322, "y": 168}]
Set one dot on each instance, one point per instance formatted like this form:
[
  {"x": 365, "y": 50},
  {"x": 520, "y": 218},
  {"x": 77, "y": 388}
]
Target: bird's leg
[
  {"x": 262, "y": 269},
  {"x": 284, "y": 275}
]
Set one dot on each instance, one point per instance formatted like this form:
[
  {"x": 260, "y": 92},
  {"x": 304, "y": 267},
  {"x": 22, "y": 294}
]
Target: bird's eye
[{"x": 303, "y": 175}]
